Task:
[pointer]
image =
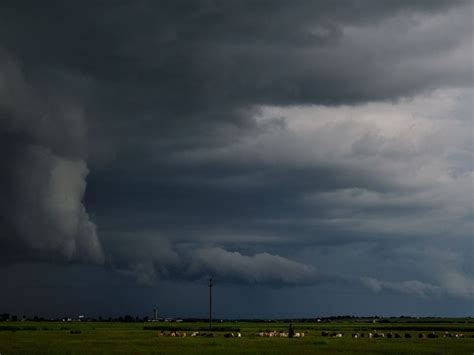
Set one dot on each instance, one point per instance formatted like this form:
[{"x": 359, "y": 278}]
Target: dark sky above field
[{"x": 313, "y": 157}]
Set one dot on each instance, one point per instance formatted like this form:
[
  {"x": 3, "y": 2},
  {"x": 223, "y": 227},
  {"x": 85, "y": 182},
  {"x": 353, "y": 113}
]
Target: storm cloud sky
[{"x": 313, "y": 157}]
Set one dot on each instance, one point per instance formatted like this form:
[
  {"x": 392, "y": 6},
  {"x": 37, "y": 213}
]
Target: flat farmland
[{"x": 155, "y": 338}]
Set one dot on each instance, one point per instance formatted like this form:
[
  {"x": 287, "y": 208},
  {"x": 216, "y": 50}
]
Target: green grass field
[{"x": 138, "y": 338}]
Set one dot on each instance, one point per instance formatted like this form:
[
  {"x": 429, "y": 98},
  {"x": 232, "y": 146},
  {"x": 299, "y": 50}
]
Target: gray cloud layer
[
  {"x": 43, "y": 175},
  {"x": 254, "y": 141}
]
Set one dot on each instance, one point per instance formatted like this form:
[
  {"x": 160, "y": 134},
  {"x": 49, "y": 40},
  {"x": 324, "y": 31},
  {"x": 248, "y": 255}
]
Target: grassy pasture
[{"x": 141, "y": 338}]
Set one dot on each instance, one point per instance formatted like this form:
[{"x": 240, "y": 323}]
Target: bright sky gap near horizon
[{"x": 313, "y": 157}]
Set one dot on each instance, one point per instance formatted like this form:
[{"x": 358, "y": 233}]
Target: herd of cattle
[
  {"x": 371, "y": 335},
  {"x": 176, "y": 333},
  {"x": 282, "y": 334}
]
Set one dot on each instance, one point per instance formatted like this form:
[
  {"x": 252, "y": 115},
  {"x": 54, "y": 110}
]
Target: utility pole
[{"x": 210, "y": 303}]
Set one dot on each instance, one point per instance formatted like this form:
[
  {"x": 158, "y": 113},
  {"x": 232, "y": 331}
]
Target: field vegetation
[{"x": 155, "y": 337}]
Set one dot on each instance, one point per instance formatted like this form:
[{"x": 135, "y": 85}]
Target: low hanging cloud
[
  {"x": 413, "y": 287},
  {"x": 261, "y": 268},
  {"x": 444, "y": 271},
  {"x": 45, "y": 207},
  {"x": 155, "y": 259},
  {"x": 43, "y": 177},
  {"x": 458, "y": 284},
  {"x": 452, "y": 283}
]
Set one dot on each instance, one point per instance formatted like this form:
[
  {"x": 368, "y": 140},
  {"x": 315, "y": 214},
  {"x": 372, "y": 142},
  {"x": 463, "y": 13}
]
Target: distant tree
[
  {"x": 14, "y": 318},
  {"x": 291, "y": 332},
  {"x": 4, "y": 317}
]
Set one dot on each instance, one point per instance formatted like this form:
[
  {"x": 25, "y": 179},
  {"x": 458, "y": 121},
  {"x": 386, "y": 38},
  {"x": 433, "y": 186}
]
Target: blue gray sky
[{"x": 314, "y": 157}]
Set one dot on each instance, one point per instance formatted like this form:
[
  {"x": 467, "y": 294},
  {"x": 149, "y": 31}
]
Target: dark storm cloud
[
  {"x": 43, "y": 175},
  {"x": 155, "y": 258},
  {"x": 161, "y": 106},
  {"x": 175, "y": 58}
]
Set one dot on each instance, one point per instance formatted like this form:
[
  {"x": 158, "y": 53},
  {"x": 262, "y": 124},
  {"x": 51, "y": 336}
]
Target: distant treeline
[{"x": 345, "y": 318}]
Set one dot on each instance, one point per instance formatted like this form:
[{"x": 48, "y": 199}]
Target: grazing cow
[
  {"x": 161, "y": 333},
  {"x": 195, "y": 334},
  {"x": 397, "y": 336},
  {"x": 302, "y": 334},
  {"x": 239, "y": 335},
  {"x": 228, "y": 335},
  {"x": 324, "y": 333},
  {"x": 422, "y": 336},
  {"x": 355, "y": 335},
  {"x": 370, "y": 335},
  {"x": 271, "y": 333},
  {"x": 297, "y": 335}
]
